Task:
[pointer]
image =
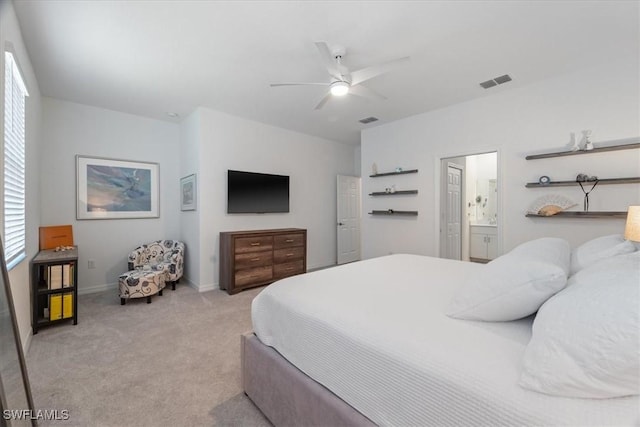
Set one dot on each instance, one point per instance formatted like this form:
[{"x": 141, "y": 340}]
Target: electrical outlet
[{"x": 92, "y": 264}]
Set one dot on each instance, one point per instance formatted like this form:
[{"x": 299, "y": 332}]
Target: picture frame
[
  {"x": 116, "y": 189},
  {"x": 188, "y": 193}
]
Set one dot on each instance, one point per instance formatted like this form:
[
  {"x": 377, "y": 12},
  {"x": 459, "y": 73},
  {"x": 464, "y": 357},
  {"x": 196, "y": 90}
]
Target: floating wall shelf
[
  {"x": 579, "y": 152},
  {"x": 384, "y": 193},
  {"x": 573, "y": 183},
  {"x": 393, "y": 212},
  {"x": 395, "y": 173},
  {"x": 569, "y": 214}
]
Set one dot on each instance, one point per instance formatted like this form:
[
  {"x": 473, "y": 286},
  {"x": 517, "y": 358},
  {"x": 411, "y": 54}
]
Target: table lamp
[{"x": 632, "y": 229}]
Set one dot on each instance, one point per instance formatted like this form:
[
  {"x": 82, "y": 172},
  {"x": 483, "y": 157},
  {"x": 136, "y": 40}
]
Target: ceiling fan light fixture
[{"x": 339, "y": 88}]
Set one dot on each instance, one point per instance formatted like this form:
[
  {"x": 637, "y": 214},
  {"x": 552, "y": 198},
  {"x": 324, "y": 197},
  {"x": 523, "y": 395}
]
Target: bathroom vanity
[{"x": 483, "y": 242}]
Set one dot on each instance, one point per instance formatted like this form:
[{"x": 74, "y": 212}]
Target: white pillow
[
  {"x": 598, "y": 249},
  {"x": 585, "y": 339},
  {"x": 514, "y": 285},
  {"x": 547, "y": 249}
]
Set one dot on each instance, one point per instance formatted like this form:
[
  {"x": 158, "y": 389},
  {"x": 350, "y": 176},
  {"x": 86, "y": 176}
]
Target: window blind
[{"x": 15, "y": 92}]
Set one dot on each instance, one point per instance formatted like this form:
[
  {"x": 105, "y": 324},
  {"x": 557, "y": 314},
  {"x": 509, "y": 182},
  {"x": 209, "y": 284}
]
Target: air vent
[
  {"x": 496, "y": 81},
  {"x": 368, "y": 120},
  {"x": 502, "y": 79},
  {"x": 488, "y": 84}
]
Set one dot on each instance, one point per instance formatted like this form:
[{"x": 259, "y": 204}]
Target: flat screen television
[{"x": 249, "y": 192}]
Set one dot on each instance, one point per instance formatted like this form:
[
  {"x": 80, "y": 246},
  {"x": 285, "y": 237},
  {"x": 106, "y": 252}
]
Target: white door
[
  {"x": 348, "y": 219},
  {"x": 453, "y": 214}
]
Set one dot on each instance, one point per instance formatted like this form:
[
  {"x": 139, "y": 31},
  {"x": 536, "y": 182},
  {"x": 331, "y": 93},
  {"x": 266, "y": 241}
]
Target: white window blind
[{"x": 15, "y": 92}]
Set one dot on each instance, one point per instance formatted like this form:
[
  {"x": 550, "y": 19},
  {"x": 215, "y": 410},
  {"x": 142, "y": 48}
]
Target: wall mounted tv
[{"x": 249, "y": 192}]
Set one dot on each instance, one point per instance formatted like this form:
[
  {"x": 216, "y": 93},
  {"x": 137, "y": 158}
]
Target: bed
[{"x": 368, "y": 343}]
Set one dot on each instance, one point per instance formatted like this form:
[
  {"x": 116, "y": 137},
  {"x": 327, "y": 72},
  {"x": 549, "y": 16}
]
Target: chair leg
[
  {"x": 173, "y": 285},
  {"x": 123, "y": 301},
  {"x": 148, "y": 300},
  {"x": 160, "y": 293}
]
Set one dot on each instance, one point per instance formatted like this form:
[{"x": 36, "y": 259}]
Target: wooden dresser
[{"x": 255, "y": 258}]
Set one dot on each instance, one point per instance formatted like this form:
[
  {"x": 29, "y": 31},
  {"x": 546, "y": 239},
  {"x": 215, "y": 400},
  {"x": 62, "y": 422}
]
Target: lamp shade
[
  {"x": 632, "y": 230},
  {"x": 339, "y": 88}
]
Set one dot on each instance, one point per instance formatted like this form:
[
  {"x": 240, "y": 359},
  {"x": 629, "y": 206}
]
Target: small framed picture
[{"x": 188, "y": 193}]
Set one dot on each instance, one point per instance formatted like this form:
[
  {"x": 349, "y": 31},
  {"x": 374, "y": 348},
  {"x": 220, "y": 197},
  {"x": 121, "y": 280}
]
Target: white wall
[
  {"x": 533, "y": 118},
  {"x": 357, "y": 167},
  {"x": 19, "y": 275},
  {"x": 229, "y": 142},
  {"x": 70, "y": 129},
  {"x": 190, "y": 220}
]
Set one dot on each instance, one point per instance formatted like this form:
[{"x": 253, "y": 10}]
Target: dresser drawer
[
  {"x": 253, "y": 244},
  {"x": 253, "y": 259},
  {"x": 288, "y": 269},
  {"x": 288, "y": 240},
  {"x": 250, "y": 276},
  {"x": 286, "y": 255}
]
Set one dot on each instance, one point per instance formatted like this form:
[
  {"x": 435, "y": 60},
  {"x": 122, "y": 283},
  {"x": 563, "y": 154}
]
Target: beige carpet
[{"x": 173, "y": 362}]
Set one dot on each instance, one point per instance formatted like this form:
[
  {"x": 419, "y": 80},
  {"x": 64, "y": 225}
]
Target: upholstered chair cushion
[{"x": 161, "y": 254}]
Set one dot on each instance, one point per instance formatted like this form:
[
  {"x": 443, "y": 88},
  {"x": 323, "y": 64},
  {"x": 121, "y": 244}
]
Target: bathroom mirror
[
  {"x": 15, "y": 391},
  {"x": 486, "y": 206}
]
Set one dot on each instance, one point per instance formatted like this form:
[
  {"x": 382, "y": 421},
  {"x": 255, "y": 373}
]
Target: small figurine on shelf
[
  {"x": 573, "y": 142},
  {"x": 374, "y": 169},
  {"x": 393, "y": 188},
  {"x": 398, "y": 169},
  {"x": 585, "y": 143}
]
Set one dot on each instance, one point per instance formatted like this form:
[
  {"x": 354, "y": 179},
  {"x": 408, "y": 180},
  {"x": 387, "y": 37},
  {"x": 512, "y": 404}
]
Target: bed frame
[{"x": 286, "y": 395}]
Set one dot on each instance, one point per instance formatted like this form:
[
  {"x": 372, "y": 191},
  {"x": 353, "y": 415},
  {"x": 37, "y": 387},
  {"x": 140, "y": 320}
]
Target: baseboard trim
[
  {"x": 199, "y": 288},
  {"x": 207, "y": 287},
  {"x": 97, "y": 288},
  {"x": 322, "y": 267},
  {"x": 26, "y": 343},
  {"x": 114, "y": 286}
]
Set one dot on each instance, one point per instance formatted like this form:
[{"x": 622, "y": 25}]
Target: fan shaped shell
[{"x": 550, "y": 204}]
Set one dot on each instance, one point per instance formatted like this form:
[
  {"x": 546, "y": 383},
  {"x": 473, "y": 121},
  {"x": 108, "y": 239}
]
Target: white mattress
[{"x": 374, "y": 333}]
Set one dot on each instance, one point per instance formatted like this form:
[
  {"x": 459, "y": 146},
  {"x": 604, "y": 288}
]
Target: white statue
[
  {"x": 573, "y": 142},
  {"x": 584, "y": 142}
]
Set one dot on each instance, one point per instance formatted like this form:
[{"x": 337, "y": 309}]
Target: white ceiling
[{"x": 153, "y": 57}]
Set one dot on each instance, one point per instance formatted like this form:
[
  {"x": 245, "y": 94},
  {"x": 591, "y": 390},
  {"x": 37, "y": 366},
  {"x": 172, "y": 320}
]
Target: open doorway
[{"x": 469, "y": 196}]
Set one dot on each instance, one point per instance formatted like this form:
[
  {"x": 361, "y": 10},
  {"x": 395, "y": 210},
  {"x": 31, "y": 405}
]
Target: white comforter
[{"x": 375, "y": 334}]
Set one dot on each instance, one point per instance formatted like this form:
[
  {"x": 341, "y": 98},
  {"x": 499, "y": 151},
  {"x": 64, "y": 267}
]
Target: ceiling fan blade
[
  {"x": 299, "y": 84},
  {"x": 328, "y": 60},
  {"x": 365, "y": 74},
  {"x": 323, "y": 101},
  {"x": 365, "y": 92}
]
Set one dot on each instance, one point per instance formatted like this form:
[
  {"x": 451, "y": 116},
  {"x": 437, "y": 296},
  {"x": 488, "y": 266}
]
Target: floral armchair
[{"x": 167, "y": 255}]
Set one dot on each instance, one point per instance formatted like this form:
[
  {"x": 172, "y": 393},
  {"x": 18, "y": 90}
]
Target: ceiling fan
[{"x": 342, "y": 80}]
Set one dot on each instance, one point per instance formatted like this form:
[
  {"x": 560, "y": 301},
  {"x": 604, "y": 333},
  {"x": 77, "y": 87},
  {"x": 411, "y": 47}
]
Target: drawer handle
[
  {"x": 255, "y": 259},
  {"x": 289, "y": 268},
  {"x": 289, "y": 241},
  {"x": 255, "y": 244},
  {"x": 289, "y": 254}
]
